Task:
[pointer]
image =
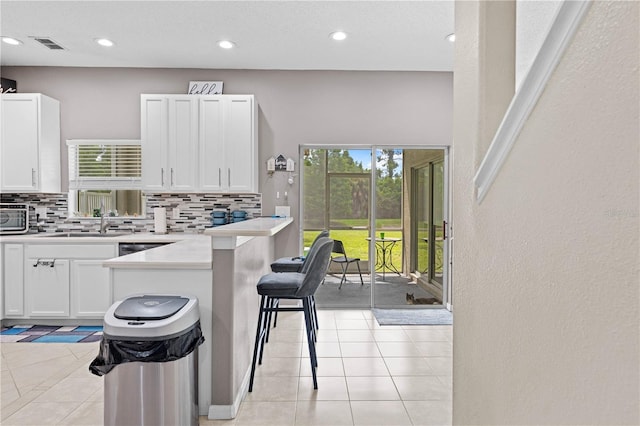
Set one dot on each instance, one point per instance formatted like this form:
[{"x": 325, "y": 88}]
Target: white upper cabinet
[
  {"x": 199, "y": 143},
  {"x": 183, "y": 143},
  {"x": 155, "y": 136},
  {"x": 228, "y": 160},
  {"x": 212, "y": 161},
  {"x": 240, "y": 153},
  {"x": 30, "y": 146}
]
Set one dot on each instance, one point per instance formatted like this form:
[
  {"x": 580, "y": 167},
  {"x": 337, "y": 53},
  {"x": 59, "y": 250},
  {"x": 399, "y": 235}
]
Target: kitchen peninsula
[{"x": 222, "y": 271}]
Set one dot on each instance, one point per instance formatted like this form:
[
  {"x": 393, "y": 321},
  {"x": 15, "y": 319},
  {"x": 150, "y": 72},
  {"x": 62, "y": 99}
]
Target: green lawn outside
[{"x": 356, "y": 244}]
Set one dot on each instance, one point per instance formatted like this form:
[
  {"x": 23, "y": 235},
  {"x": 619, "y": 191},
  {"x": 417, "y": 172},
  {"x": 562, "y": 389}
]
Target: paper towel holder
[{"x": 160, "y": 220}]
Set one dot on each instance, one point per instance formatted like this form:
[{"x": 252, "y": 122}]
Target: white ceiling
[{"x": 292, "y": 35}]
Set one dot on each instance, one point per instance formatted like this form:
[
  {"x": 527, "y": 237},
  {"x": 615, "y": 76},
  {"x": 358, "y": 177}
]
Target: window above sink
[{"x": 105, "y": 178}]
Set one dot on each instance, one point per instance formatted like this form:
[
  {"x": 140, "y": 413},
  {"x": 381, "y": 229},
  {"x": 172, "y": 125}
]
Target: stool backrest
[
  {"x": 317, "y": 268},
  {"x": 314, "y": 246}
]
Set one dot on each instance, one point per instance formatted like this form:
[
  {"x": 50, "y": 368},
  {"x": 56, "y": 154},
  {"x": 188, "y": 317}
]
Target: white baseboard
[{"x": 226, "y": 412}]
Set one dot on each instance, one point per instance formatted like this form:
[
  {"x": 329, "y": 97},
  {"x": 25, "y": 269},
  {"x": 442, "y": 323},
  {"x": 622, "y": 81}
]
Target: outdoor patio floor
[{"x": 388, "y": 293}]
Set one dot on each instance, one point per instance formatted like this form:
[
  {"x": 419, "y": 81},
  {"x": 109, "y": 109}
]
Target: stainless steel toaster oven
[{"x": 14, "y": 218}]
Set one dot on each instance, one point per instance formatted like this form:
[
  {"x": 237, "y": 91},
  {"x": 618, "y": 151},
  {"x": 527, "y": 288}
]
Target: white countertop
[
  {"x": 190, "y": 253},
  {"x": 258, "y": 227},
  {"x": 138, "y": 237}
]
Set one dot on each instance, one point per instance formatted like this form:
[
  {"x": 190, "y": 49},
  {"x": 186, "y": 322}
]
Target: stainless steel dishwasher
[{"x": 128, "y": 248}]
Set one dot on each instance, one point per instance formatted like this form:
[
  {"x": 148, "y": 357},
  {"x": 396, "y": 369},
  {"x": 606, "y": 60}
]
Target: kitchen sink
[{"x": 87, "y": 234}]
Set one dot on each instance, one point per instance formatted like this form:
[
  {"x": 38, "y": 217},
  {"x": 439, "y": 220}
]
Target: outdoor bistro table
[{"x": 384, "y": 249}]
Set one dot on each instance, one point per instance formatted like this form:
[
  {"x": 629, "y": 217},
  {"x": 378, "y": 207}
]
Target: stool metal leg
[
  {"x": 315, "y": 312},
  {"x": 275, "y": 314},
  {"x": 272, "y": 304},
  {"x": 265, "y": 330},
  {"x": 312, "y": 347},
  {"x": 259, "y": 338}
]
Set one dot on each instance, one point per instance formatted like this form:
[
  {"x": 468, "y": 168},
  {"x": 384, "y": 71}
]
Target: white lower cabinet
[
  {"x": 57, "y": 280},
  {"x": 90, "y": 288},
  {"x": 47, "y": 287},
  {"x": 13, "y": 284}
]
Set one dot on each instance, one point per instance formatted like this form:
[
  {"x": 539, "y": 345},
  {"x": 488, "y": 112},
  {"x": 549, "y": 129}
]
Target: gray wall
[{"x": 295, "y": 107}]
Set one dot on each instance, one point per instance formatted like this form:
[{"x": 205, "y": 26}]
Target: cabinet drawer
[{"x": 72, "y": 251}]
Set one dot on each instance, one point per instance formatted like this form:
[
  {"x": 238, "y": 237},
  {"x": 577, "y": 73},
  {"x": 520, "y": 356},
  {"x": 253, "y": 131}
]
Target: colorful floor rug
[
  {"x": 413, "y": 316},
  {"x": 50, "y": 334}
]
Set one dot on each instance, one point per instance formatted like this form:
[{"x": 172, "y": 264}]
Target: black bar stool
[
  {"x": 293, "y": 264},
  {"x": 297, "y": 286}
]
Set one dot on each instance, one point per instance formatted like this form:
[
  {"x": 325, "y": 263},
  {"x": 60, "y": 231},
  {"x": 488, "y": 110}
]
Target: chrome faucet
[{"x": 104, "y": 224}]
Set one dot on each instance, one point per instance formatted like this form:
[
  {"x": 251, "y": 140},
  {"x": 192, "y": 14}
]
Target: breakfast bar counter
[{"x": 221, "y": 268}]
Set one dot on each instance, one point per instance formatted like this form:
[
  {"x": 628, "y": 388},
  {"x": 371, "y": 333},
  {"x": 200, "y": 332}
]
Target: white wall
[
  {"x": 546, "y": 269},
  {"x": 295, "y": 107},
  {"x": 533, "y": 20}
]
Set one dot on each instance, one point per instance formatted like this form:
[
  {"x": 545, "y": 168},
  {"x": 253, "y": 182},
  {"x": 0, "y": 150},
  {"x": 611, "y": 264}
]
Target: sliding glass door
[
  {"x": 428, "y": 228},
  {"x": 392, "y": 283},
  {"x": 380, "y": 202}
]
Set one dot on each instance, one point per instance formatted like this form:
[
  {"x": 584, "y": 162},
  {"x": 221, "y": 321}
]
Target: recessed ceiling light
[
  {"x": 226, "y": 44},
  {"x": 104, "y": 42},
  {"x": 12, "y": 41},
  {"x": 451, "y": 37},
  {"x": 338, "y": 35}
]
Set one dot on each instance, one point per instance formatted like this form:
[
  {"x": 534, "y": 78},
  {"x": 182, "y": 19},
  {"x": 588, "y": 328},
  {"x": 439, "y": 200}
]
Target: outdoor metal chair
[{"x": 344, "y": 261}]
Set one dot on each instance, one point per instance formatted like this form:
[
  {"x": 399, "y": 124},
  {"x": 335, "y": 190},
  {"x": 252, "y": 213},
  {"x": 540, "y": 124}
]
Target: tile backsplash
[{"x": 194, "y": 211}]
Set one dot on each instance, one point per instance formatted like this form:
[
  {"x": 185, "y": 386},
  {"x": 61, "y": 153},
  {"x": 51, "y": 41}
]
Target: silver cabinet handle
[
  {"x": 162, "y": 176},
  {"x": 49, "y": 263},
  {"x": 172, "y": 176},
  {"x": 33, "y": 177},
  {"x": 229, "y": 176},
  {"x": 219, "y": 177}
]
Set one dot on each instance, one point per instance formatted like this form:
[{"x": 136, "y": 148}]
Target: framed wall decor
[{"x": 205, "y": 88}]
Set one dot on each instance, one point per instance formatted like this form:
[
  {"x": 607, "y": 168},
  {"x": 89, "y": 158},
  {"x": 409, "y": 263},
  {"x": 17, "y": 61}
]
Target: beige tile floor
[{"x": 367, "y": 375}]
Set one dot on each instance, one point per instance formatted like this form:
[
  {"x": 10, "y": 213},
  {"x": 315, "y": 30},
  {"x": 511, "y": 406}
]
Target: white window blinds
[{"x": 104, "y": 164}]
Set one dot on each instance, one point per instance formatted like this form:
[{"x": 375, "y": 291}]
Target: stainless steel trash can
[{"x": 150, "y": 347}]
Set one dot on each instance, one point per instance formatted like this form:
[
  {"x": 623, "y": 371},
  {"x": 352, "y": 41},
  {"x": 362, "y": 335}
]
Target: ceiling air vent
[{"x": 48, "y": 43}]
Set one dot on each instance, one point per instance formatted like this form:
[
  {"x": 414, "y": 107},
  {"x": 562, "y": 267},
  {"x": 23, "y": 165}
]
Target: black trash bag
[{"x": 117, "y": 351}]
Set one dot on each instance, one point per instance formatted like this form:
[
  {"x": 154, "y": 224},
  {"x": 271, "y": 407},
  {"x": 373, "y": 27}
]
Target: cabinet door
[
  {"x": 90, "y": 288},
  {"x": 183, "y": 142},
  {"x": 154, "y": 131},
  {"x": 239, "y": 144},
  {"x": 211, "y": 143},
  {"x": 13, "y": 270},
  {"x": 47, "y": 288},
  {"x": 19, "y": 148}
]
